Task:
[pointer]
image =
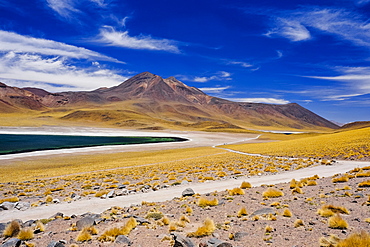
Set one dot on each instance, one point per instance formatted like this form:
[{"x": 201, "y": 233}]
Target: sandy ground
[{"x": 97, "y": 205}]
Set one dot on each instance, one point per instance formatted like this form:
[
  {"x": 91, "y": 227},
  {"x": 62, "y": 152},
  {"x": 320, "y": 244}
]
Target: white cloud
[
  {"x": 109, "y": 36},
  {"x": 260, "y": 100},
  {"x": 243, "y": 64},
  {"x": 101, "y": 3},
  {"x": 53, "y": 73},
  {"x": 341, "y": 23},
  {"x": 63, "y": 7},
  {"x": 219, "y": 76},
  {"x": 214, "y": 90},
  {"x": 290, "y": 29},
  {"x": 10, "y": 41}
]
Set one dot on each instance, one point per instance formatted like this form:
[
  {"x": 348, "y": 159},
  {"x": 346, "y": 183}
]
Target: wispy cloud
[
  {"x": 290, "y": 29},
  {"x": 100, "y": 3},
  {"x": 110, "y": 37},
  {"x": 10, "y": 41},
  {"x": 243, "y": 64},
  {"x": 63, "y": 8},
  {"x": 214, "y": 90},
  {"x": 219, "y": 76},
  {"x": 54, "y": 73},
  {"x": 355, "y": 82},
  {"x": 260, "y": 100},
  {"x": 341, "y": 23}
]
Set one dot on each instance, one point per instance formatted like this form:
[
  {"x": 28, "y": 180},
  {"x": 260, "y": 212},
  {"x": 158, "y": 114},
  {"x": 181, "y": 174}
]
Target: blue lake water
[{"x": 14, "y": 143}]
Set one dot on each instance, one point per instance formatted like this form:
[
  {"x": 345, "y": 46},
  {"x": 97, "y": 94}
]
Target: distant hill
[
  {"x": 148, "y": 101},
  {"x": 355, "y": 125}
]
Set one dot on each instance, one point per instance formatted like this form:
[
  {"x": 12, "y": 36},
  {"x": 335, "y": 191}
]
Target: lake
[{"x": 14, "y": 143}]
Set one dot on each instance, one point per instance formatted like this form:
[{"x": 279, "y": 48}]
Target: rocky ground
[{"x": 249, "y": 218}]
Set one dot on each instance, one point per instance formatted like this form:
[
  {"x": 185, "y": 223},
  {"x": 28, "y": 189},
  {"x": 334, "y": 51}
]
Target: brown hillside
[{"x": 156, "y": 102}]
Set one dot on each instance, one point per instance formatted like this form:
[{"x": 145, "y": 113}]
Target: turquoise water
[{"x": 10, "y": 143}]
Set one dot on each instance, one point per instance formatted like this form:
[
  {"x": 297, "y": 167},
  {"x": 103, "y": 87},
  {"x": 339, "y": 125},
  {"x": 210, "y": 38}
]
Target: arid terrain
[{"x": 147, "y": 183}]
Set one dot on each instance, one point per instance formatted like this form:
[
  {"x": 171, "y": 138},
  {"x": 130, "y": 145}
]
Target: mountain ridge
[{"x": 148, "y": 100}]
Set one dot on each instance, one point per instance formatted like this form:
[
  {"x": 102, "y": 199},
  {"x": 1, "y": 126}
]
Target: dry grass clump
[
  {"x": 298, "y": 223},
  {"x": 245, "y": 185},
  {"x": 242, "y": 212},
  {"x": 311, "y": 183},
  {"x": 331, "y": 241},
  {"x": 340, "y": 179},
  {"x": 272, "y": 193},
  {"x": 112, "y": 233},
  {"x": 269, "y": 229},
  {"x": 156, "y": 215},
  {"x": 236, "y": 191},
  {"x": 336, "y": 222},
  {"x": 204, "y": 202},
  {"x": 364, "y": 184},
  {"x": 11, "y": 199},
  {"x": 297, "y": 190},
  {"x": 84, "y": 235},
  {"x": 12, "y": 229},
  {"x": 330, "y": 210},
  {"x": 287, "y": 213},
  {"x": 25, "y": 234},
  {"x": 355, "y": 239},
  {"x": 206, "y": 229}
]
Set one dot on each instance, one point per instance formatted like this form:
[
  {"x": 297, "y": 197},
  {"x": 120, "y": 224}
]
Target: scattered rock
[
  {"x": 13, "y": 242},
  {"x": 122, "y": 239},
  {"x": 56, "y": 201},
  {"x": 111, "y": 194},
  {"x": 55, "y": 244},
  {"x": 7, "y": 205},
  {"x": 85, "y": 222},
  {"x": 214, "y": 242},
  {"x": 238, "y": 236},
  {"x": 28, "y": 223},
  {"x": 57, "y": 215},
  {"x": 263, "y": 211},
  {"x": 22, "y": 206},
  {"x": 181, "y": 241},
  {"x": 139, "y": 219},
  {"x": 188, "y": 192}
]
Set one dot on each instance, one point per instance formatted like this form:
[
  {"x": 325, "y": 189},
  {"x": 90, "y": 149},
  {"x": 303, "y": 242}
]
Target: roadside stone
[
  {"x": 263, "y": 211},
  {"x": 7, "y": 205},
  {"x": 22, "y": 206},
  {"x": 122, "y": 239},
  {"x": 188, "y": 192},
  {"x": 55, "y": 244},
  {"x": 85, "y": 222},
  {"x": 238, "y": 236},
  {"x": 181, "y": 241},
  {"x": 28, "y": 223},
  {"x": 111, "y": 194},
  {"x": 56, "y": 201},
  {"x": 214, "y": 242},
  {"x": 13, "y": 242},
  {"x": 2, "y": 226},
  {"x": 57, "y": 215},
  {"x": 139, "y": 219}
]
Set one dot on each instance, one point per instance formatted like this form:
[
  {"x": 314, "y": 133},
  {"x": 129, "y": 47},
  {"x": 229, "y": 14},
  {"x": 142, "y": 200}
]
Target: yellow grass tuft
[
  {"x": 84, "y": 235},
  {"x": 25, "y": 234},
  {"x": 298, "y": 223},
  {"x": 355, "y": 239},
  {"x": 39, "y": 226},
  {"x": 311, "y": 183},
  {"x": 130, "y": 224},
  {"x": 207, "y": 229},
  {"x": 364, "y": 184},
  {"x": 331, "y": 241},
  {"x": 297, "y": 190},
  {"x": 245, "y": 185},
  {"x": 269, "y": 229},
  {"x": 110, "y": 235},
  {"x": 287, "y": 213},
  {"x": 293, "y": 184},
  {"x": 336, "y": 222},
  {"x": 242, "y": 212},
  {"x": 204, "y": 202},
  {"x": 12, "y": 229},
  {"x": 236, "y": 191},
  {"x": 335, "y": 209},
  {"x": 272, "y": 193},
  {"x": 340, "y": 179}
]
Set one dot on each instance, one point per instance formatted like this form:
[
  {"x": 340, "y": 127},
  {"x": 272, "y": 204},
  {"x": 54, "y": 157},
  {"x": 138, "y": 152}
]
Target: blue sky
[{"x": 314, "y": 53}]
